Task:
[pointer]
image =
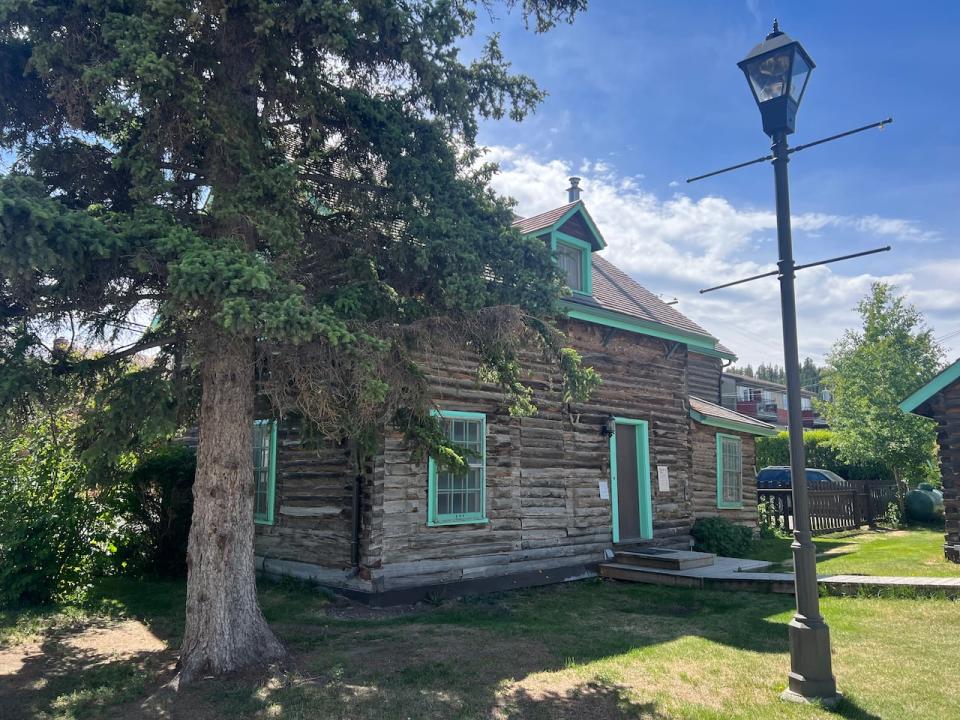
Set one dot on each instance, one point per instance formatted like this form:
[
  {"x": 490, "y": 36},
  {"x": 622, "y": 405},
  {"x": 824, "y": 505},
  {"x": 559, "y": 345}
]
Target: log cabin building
[
  {"x": 546, "y": 496},
  {"x": 939, "y": 399}
]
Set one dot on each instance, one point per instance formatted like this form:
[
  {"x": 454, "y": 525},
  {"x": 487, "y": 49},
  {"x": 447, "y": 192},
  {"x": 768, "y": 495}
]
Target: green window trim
[
  {"x": 267, "y": 430},
  {"x": 642, "y": 429},
  {"x": 557, "y": 239},
  {"x": 726, "y": 466},
  {"x": 435, "y": 479}
]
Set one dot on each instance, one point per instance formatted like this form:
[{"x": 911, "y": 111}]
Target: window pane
[
  {"x": 262, "y": 453},
  {"x": 570, "y": 260},
  {"x": 459, "y": 494},
  {"x": 731, "y": 465}
]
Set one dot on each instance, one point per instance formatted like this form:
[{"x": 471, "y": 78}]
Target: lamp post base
[
  {"x": 828, "y": 703},
  {"x": 811, "y": 677}
]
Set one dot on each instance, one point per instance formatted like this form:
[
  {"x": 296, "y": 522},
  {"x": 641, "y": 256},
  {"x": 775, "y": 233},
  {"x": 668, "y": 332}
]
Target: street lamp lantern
[{"x": 777, "y": 71}]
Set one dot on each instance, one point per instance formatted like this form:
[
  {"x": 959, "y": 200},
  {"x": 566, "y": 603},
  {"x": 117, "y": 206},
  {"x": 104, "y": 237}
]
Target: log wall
[
  {"x": 704, "y": 475},
  {"x": 703, "y": 377},
  {"x": 946, "y": 411},
  {"x": 313, "y": 502},
  {"x": 543, "y": 472}
]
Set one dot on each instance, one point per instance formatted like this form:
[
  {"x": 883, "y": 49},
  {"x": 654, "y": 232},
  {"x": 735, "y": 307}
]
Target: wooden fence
[{"x": 831, "y": 508}]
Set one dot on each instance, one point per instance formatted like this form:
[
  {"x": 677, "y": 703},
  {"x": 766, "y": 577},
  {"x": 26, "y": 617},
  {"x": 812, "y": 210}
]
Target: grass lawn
[
  {"x": 592, "y": 649},
  {"x": 911, "y": 553}
]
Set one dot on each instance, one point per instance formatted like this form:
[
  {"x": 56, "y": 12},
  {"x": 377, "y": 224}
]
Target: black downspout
[{"x": 355, "y": 531}]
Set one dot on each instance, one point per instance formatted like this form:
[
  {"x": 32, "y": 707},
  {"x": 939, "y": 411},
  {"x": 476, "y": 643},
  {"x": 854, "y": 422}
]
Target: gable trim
[
  {"x": 946, "y": 377},
  {"x": 581, "y": 208},
  {"x": 696, "y": 343}
]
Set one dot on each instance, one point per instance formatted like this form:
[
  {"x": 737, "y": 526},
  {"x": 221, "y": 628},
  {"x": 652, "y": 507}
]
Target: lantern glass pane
[
  {"x": 769, "y": 75},
  {"x": 801, "y": 73}
]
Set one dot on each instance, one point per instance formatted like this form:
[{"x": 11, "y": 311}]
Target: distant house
[
  {"x": 767, "y": 401},
  {"x": 545, "y": 496},
  {"x": 940, "y": 399}
]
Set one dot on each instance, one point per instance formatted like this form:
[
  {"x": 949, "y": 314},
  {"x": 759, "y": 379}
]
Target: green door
[{"x": 630, "y": 481}]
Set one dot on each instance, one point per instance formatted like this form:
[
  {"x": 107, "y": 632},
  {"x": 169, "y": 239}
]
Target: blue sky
[{"x": 645, "y": 94}]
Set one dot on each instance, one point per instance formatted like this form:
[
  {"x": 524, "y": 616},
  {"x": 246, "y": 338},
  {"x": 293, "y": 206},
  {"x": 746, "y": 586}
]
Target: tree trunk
[{"x": 225, "y": 629}]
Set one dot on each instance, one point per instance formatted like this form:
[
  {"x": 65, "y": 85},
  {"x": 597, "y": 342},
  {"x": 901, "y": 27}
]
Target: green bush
[
  {"x": 56, "y": 532},
  {"x": 720, "y": 536},
  {"x": 157, "y": 504},
  {"x": 820, "y": 453}
]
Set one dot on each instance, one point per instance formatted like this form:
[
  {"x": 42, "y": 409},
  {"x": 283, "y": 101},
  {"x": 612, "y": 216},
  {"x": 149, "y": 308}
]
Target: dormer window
[
  {"x": 573, "y": 258},
  {"x": 572, "y": 236},
  {"x": 570, "y": 260}
]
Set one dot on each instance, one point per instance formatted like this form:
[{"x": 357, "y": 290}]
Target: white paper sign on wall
[
  {"x": 604, "y": 490},
  {"x": 663, "y": 478}
]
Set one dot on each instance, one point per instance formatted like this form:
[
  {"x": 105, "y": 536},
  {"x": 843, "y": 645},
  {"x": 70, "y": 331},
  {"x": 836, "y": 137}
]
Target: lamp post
[{"x": 778, "y": 70}]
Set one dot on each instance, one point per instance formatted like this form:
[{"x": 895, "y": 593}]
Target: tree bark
[{"x": 225, "y": 629}]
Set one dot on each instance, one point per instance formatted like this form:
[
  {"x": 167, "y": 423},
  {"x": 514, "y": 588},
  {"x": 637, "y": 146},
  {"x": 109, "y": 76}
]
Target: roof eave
[
  {"x": 702, "y": 344},
  {"x": 725, "y": 424},
  {"x": 944, "y": 378}
]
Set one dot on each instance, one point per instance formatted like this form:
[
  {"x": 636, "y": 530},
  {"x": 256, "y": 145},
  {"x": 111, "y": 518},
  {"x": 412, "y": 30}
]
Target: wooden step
[
  {"x": 663, "y": 559},
  {"x": 633, "y": 573}
]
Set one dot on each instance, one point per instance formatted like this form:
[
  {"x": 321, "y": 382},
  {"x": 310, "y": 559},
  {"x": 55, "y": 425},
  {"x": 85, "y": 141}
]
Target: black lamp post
[{"x": 778, "y": 70}]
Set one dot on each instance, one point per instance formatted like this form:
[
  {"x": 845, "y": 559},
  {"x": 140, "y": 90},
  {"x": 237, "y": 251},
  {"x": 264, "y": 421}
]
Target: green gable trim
[
  {"x": 940, "y": 382},
  {"x": 743, "y": 427},
  {"x": 582, "y": 210},
  {"x": 696, "y": 343}
]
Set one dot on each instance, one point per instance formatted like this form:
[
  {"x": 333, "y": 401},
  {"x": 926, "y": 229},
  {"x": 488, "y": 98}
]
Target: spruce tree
[{"x": 276, "y": 196}]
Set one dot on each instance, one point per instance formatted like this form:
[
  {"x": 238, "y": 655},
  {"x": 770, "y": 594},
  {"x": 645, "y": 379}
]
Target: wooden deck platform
[{"x": 738, "y": 574}]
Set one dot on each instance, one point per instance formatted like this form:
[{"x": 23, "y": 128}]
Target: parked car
[{"x": 778, "y": 476}]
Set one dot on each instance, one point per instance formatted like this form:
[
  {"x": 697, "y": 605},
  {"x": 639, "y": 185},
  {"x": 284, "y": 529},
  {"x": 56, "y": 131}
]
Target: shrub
[
  {"x": 722, "y": 537},
  {"x": 157, "y": 505},
  {"x": 56, "y": 533},
  {"x": 820, "y": 453}
]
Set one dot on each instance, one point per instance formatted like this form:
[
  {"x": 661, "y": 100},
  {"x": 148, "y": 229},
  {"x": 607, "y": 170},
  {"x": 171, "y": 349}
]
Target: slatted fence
[{"x": 831, "y": 508}]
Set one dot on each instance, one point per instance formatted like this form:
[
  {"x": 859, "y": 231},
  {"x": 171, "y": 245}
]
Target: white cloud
[{"x": 676, "y": 245}]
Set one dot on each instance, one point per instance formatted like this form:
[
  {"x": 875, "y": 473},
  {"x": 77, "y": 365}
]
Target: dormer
[{"x": 573, "y": 237}]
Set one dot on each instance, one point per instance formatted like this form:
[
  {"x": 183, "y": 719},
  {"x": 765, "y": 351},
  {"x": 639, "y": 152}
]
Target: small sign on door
[
  {"x": 604, "y": 490},
  {"x": 663, "y": 478}
]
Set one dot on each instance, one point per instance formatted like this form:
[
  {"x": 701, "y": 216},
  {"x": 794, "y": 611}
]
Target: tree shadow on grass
[
  {"x": 544, "y": 653},
  {"x": 81, "y": 670},
  {"x": 553, "y": 652}
]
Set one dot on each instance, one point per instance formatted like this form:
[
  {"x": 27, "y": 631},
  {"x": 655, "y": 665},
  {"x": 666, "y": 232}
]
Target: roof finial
[
  {"x": 573, "y": 192},
  {"x": 776, "y": 29}
]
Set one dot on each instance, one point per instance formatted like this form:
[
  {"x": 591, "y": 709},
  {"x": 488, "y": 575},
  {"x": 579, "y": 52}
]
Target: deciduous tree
[{"x": 870, "y": 371}]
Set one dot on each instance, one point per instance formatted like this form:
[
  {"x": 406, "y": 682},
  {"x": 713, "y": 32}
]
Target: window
[
  {"x": 574, "y": 261},
  {"x": 264, "y": 470},
  {"x": 456, "y": 498},
  {"x": 570, "y": 260},
  {"x": 729, "y": 471}
]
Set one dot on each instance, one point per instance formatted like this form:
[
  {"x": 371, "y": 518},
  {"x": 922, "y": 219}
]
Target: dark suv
[{"x": 778, "y": 476}]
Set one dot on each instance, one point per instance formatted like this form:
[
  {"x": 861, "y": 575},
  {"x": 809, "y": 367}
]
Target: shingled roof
[
  {"x": 709, "y": 413},
  {"x": 614, "y": 290},
  {"x": 544, "y": 219}
]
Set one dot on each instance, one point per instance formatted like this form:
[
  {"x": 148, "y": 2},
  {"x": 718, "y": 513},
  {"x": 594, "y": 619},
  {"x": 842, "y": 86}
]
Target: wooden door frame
[{"x": 642, "y": 429}]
